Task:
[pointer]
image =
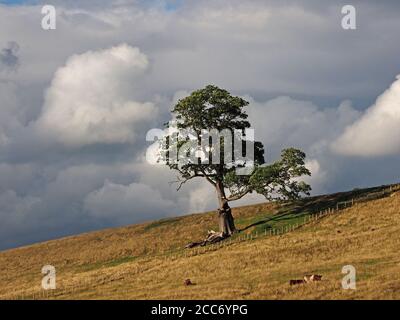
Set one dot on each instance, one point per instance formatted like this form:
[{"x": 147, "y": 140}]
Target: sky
[{"x": 76, "y": 102}]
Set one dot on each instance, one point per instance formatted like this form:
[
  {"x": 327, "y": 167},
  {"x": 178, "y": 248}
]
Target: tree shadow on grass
[{"x": 290, "y": 210}]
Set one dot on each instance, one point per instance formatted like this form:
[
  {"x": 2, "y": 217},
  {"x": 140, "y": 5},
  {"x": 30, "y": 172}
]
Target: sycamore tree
[{"x": 211, "y": 139}]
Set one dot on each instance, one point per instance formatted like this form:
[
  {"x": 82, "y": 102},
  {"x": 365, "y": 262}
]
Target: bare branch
[
  {"x": 183, "y": 181},
  {"x": 238, "y": 196},
  {"x": 207, "y": 177}
]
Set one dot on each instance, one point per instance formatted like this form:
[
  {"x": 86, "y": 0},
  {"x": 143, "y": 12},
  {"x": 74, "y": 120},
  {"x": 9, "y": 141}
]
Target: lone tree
[{"x": 213, "y": 108}]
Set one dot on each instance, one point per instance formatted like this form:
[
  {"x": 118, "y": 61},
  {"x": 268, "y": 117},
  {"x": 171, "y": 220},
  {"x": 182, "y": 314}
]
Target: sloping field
[{"x": 147, "y": 261}]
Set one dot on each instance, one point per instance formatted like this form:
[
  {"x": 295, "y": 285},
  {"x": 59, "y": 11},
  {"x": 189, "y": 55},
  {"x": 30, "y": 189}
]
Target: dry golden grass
[{"x": 120, "y": 263}]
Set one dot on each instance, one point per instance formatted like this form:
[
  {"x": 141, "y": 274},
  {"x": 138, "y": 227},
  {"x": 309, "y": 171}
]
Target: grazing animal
[
  {"x": 307, "y": 279},
  {"x": 188, "y": 282},
  {"x": 312, "y": 277},
  {"x": 293, "y": 282}
]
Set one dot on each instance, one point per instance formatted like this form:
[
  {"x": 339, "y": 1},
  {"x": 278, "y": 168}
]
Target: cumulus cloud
[
  {"x": 377, "y": 132},
  {"x": 284, "y": 122},
  {"x": 91, "y": 98},
  {"x": 203, "y": 197},
  {"x": 319, "y": 176}
]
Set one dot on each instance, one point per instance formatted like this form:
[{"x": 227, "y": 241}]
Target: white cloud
[
  {"x": 318, "y": 177},
  {"x": 285, "y": 122},
  {"x": 377, "y": 132},
  {"x": 91, "y": 98},
  {"x": 203, "y": 197}
]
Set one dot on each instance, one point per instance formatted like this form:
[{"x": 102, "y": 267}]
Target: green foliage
[
  {"x": 279, "y": 180},
  {"x": 211, "y": 108},
  {"x": 214, "y": 108}
]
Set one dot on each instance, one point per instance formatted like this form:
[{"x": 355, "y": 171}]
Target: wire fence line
[
  {"x": 369, "y": 197},
  {"x": 86, "y": 285}
]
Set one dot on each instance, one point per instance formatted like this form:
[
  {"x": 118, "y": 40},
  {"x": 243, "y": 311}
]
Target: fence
[{"x": 369, "y": 197}]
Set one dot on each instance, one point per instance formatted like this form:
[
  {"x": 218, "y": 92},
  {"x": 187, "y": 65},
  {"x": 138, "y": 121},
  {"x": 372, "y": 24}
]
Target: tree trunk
[{"x": 226, "y": 221}]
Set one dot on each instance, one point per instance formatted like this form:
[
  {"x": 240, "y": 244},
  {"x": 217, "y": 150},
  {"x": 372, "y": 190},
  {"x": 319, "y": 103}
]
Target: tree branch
[
  {"x": 238, "y": 196},
  {"x": 183, "y": 181},
  {"x": 207, "y": 177}
]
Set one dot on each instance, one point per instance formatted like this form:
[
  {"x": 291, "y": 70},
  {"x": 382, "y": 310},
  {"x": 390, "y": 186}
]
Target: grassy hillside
[{"x": 147, "y": 261}]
